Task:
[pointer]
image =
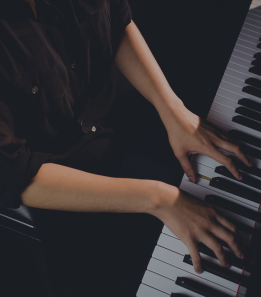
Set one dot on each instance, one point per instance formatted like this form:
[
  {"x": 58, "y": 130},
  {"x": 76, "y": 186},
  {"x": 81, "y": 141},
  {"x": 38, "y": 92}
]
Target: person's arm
[
  {"x": 187, "y": 132},
  {"x": 63, "y": 188}
]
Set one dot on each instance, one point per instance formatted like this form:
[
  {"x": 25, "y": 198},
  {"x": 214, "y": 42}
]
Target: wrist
[{"x": 164, "y": 197}]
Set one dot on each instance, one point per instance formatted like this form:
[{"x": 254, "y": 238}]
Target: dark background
[{"x": 192, "y": 41}]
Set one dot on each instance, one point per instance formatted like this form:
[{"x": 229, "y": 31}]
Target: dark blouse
[{"x": 52, "y": 70}]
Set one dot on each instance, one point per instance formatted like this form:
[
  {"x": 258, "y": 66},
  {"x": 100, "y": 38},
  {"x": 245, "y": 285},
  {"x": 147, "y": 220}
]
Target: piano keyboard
[{"x": 236, "y": 109}]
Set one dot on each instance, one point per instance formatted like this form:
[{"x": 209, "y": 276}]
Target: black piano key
[
  {"x": 219, "y": 271},
  {"x": 257, "y": 55},
  {"x": 251, "y": 151},
  {"x": 256, "y": 62},
  {"x": 250, "y": 104},
  {"x": 198, "y": 288},
  {"x": 233, "y": 260},
  {"x": 256, "y": 70},
  {"x": 177, "y": 295},
  {"x": 250, "y": 181},
  {"x": 259, "y": 45},
  {"x": 233, "y": 188},
  {"x": 247, "y": 123},
  {"x": 240, "y": 226},
  {"x": 245, "y": 137},
  {"x": 249, "y": 113},
  {"x": 241, "y": 166},
  {"x": 252, "y": 91},
  {"x": 233, "y": 207}
]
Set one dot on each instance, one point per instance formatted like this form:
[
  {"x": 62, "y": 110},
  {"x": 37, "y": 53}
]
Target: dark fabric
[
  {"x": 100, "y": 254},
  {"x": 52, "y": 70}
]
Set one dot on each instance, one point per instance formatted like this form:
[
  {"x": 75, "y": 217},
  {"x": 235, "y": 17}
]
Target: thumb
[{"x": 185, "y": 163}]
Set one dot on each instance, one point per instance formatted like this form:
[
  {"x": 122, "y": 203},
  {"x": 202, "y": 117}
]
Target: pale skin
[{"x": 192, "y": 221}]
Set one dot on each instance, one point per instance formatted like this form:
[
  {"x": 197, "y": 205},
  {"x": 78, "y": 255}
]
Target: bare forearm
[
  {"x": 136, "y": 62},
  {"x": 63, "y": 188}
]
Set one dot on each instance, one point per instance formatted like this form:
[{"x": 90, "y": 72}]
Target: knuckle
[
  {"x": 233, "y": 228},
  {"x": 229, "y": 162},
  {"x": 237, "y": 148},
  {"x": 231, "y": 238},
  {"x": 219, "y": 249}
]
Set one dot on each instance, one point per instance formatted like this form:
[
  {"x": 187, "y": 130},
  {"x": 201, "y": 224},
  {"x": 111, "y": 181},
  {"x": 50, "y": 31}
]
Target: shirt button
[
  {"x": 73, "y": 65},
  {"x": 93, "y": 129},
  {"x": 34, "y": 89},
  {"x": 55, "y": 18}
]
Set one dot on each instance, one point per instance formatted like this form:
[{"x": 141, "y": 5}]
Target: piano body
[{"x": 236, "y": 108}]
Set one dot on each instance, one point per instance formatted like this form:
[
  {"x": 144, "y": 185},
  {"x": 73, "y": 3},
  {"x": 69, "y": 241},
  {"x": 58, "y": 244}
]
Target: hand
[
  {"x": 189, "y": 134},
  {"x": 193, "y": 221}
]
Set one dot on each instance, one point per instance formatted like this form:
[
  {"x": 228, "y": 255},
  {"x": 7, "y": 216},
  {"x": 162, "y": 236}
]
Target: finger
[
  {"x": 232, "y": 228},
  {"x": 195, "y": 256},
  {"x": 217, "y": 248},
  {"x": 185, "y": 163},
  {"x": 230, "y": 238},
  {"x": 233, "y": 148},
  {"x": 225, "y": 160}
]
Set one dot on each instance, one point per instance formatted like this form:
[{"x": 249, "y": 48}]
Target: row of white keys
[
  {"x": 230, "y": 103},
  {"x": 166, "y": 265},
  {"x": 227, "y": 120}
]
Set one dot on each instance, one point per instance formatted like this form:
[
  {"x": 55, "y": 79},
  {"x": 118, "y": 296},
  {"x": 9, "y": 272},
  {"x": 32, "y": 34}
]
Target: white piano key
[
  {"x": 253, "y": 23},
  {"x": 223, "y": 109},
  {"x": 254, "y": 12},
  {"x": 236, "y": 90},
  {"x": 205, "y": 183},
  {"x": 171, "y": 244},
  {"x": 245, "y": 236},
  {"x": 234, "y": 81},
  {"x": 248, "y": 51},
  {"x": 236, "y": 74},
  {"x": 251, "y": 27},
  {"x": 228, "y": 120},
  {"x": 182, "y": 269},
  {"x": 213, "y": 164},
  {"x": 226, "y": 102},
  {"x": 165, "y": 285},
  {"x": 147, "y": 291},
  {"x": 166, "y": 255},
  {"x": 241, "y": 62},
  {"x": 238, "y": 83},
  {"x": 243, "y": 70},
  {"x": 248, "y": 45},
  {"x": 254, "y": 18},
  {"x": 250, "y": 39},
  {"x": 243, "y": 56},
  {"x": 251, "y": 34}
]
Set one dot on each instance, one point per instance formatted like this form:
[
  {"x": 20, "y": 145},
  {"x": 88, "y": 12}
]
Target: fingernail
[
  {"x": 192, "y": 179},
  {"x": 199, "y": 271},
  {"x": 240, "y": 177},
  {"x": 228, "y": 265},
  {"x": 242, "y": 256},
  {"x": 250, "y": 164}
]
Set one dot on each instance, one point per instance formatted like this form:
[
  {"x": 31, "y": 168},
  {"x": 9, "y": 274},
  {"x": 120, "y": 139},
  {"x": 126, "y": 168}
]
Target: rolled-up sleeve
[
  {"x": 120, "y": 15},
  {"x": 18, "y": 165}
]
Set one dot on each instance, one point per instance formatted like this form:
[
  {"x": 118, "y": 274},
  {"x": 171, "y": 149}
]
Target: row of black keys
[
  {"x": 193, "y": 286},
  {"x": 253, "y": 88}
]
